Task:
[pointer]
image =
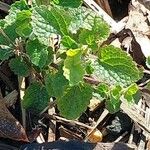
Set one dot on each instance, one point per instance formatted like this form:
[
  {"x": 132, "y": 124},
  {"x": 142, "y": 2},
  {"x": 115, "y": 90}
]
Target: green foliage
[
  {"x": 14, "y": 10},
  {"x": 74, "y": 101},
  {"x": 130, "y": 92},
  {"x": 92, "y": 38},
  {"x": 102, "y": 89},
  {"x": 56, "y": 84},
  {"x": 8, "y": 35},
  {"x": 19, "y": 66},
  {"x": 45, "y": 22},
  {"x": 28, "y": 40},
  {"x": 69, "y": 43},
  {"x": 24, "y": 28},
  {"x": 41, "y": 2},
  {"x": 36, "y": 98},
  {"x": 37, "y": 52},
  {"x": 81, "y": 18},
  {"x": 148, "y": 62},
  {"x": 68, "y": 3},
  {"x": 115, "y": 67},
  {"x": 113, "y": 102},
  {"x": 5, "y": 52},
  {"x": 73, "y": 68},
  {"x": 89, "y": 69}
]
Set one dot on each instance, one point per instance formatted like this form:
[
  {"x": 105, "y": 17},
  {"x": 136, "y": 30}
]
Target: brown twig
[
  {"x": 21, "y": 81},
  {"x": 66, "y": 121},
  {"x": 91, "y": 80},
  {"x": 134, "y": 115}
]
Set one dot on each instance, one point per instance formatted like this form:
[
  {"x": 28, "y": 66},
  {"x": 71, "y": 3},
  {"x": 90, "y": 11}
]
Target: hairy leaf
[
  {"x": 130, "y": 92},
  {"x": 94, "y": 37},
  {"x": 68, "y": 3},
  {"x": 89, "y": 69},
  {"x": 41, "y": 2},
  {"x": 74, "y": 101},
  {"x": 102, "y": 89},
  {"x": 115, "y": 67},
  {"x": 45, "y": 22},
  {"x": 8, "y": 29},
  {"x": 37, "y": 52},
  {"x": 2, "y": 23},
  {"x": 23, "y": 19},
  {"x": 17, "y": 7},
  {"x": 69, "y": 43},
  {"x": 5, "y": 52},
  {"x": 19, "y": 66},
  {"x": 36, "y": 98},
  {"x": 56, "y": 84},
  {"x": 113, "y": 102},
  {"x": 73, "y": 68},
  {"x": 8, "y": 35},
  {"x": 82, "y": 17}
]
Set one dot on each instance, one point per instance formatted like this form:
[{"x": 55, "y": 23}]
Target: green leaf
[
  {"x": 10, "y": 26},
  {"x": 130, "y": 92},
  {"x": 36, "y": 98},
  {"x": 50, "y": 56},
  {"x": 37, "y": 52},
  {"x": 55, "y": 1},
  {"x": 84, "y": 18},
  {"x": 19, "y": 67},
  {"x": 137, "y": 96},
  {"x": 5, "y": 52},
  {"x": 56, "y": 84},
  {"x": 89, "y": 69},
  {"x": 69, "y": 43},
  {"x": 74, "y": 101},
  {"x": 93, "y": 38},
  {"x": 81, "y": 18},
  {"x": 17, "y": 7},
  {"x": 73, "y": 68},
  {"x": 2, "y": 23},
  {"x": 113, "y": 102},
  {"x": 148, "y": 62},
  {"x": 102, "y": 89},
  {"x": 41, "y": 2},
  {"x": 45, "y": 22},
  {"x": 24, "y": 27},
  {"x": 8, "y": 35},
  {"x": 68, "y": 3},
  {"x": 115, "y": 67}
]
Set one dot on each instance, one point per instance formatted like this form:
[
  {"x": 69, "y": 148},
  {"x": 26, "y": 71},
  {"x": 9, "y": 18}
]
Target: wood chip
[
  {"x": 52, "y": 127},
  {"x": 105, "y": 5},
  {"x": 131, "y": 111},
  {"x": 11, "y": 98},
  {"x": 68, "y": 134}
]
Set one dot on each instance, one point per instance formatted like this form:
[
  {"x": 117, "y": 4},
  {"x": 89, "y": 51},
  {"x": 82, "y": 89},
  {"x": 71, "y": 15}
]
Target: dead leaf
[
  {"x": 9, "y": 126},
  {"x": 138, "y": 23}
]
